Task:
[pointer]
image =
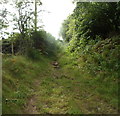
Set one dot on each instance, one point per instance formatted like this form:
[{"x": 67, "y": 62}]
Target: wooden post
[
  {"x": 35, "y": 15},
  {"x": 12, "y": 44}
]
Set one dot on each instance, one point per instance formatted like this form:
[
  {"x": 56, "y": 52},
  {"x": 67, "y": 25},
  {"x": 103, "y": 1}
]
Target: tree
[
  {"x": 23, "y": 17},
  {"x": 3, "y": 20},
  {"x": 90, "y": 21},
  {"x": 23, "y": 21},
  {"x": 64, "y": 29}
]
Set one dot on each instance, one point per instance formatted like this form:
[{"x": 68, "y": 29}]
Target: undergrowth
[
  {"x": 19, "y": 74},
  {"x": 85, "y": 82},
  {"x": 96, "y": 66}
]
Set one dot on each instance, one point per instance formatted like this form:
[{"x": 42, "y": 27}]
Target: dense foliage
[
  {"x": 89, "y": 24},
  {"x": 92, "y": 33},
  {"x": 92, "y": 19},
  {"x": 40, "y": 41}
]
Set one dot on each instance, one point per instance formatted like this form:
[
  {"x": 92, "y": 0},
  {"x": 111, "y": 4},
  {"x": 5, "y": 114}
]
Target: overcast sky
[{"x": 59, "y": 10}]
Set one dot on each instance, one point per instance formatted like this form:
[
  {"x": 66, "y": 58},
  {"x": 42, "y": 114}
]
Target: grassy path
[
  {"x": 38, "y": 88},
  {"x": 58, "y": 92},
  {"x": 49, "y": 96}
]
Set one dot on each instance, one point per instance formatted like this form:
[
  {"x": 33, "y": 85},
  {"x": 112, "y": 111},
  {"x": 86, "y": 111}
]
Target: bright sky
[{"x": 59, "y": 10}]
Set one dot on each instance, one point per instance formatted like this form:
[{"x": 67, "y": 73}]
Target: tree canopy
[{"x": 92, "y": 19}]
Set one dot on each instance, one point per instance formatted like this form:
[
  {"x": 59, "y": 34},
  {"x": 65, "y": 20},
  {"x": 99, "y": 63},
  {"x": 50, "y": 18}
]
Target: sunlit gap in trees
[{"x": 50, "y": 15}]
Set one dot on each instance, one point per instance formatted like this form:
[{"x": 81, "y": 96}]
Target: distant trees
[
  {"x": 64, "y": 29},
  {"x": 44, "y": 42}
]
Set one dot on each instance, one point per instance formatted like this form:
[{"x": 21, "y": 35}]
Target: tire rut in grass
[
  {"x": 31, "y": 107},
  {"x": 49, "y": 95},
  {"x": 52, "y": 98}
]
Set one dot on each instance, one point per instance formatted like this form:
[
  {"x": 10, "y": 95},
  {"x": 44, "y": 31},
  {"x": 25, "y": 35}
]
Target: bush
[{"x": 33, "y": 54}]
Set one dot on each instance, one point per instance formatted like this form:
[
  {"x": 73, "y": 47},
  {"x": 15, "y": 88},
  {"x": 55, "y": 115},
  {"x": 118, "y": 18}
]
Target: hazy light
[{"x": 59, "y": 10}]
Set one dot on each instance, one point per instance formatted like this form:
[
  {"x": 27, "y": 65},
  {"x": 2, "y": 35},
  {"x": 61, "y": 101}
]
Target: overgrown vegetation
[
  {"x": 19, "y": 75},
  {"x": 92, "y": 33},
  {"x": 40, "y": 42},
  {"x": 85, "y": 80},
  {"x": 98, "y": 69}
]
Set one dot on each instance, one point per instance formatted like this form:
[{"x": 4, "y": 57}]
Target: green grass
[
  {"x": 95, "y": 73},
  {"x": 87, "y": 84},
  {"x": 19, "y": 75},
  {"x": 90, "y": 93}
]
